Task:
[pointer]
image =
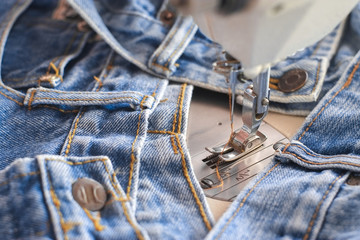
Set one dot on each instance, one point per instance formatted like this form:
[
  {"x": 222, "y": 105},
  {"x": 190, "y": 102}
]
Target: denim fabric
[{"x": 95, "y": 101}]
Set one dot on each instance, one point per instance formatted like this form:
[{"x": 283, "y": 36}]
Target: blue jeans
[{"x": 95, "y": 102}]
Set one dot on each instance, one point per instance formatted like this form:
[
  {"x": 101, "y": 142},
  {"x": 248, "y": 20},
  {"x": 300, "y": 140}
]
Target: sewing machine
[{"x": 257, "y": 34}]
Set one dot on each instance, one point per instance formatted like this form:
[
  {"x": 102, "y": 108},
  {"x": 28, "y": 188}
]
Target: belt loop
[{"x": 165, "y": 56}]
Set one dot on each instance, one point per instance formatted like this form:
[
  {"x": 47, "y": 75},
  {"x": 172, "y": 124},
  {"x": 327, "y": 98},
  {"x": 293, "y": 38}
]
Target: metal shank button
[
  {"x": 167, "y": 17},
  {"x": 292, "y": 80},
  {"x": 89, "y": 194}
]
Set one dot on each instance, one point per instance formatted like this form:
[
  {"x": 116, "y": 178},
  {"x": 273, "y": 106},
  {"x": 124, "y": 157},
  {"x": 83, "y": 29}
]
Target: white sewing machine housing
[{"x": 256, "y": 33}]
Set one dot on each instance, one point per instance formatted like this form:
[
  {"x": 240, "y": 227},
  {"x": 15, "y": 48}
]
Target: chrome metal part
[
  {"x": 248, "y": 138},
  {"x": 205, "y": 130}
]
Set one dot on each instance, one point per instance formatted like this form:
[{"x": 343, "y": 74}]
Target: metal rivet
[
  {"x": 265, "y": 102},
  {"x": 89, "y": 194},
  {"x": 353, "y": 180},
  {"x": 166, "y": 17},
  {"x": 292, "y": 80}
]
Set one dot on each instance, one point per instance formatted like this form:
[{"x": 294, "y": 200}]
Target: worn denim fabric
[{"x": 85, "y": 93}]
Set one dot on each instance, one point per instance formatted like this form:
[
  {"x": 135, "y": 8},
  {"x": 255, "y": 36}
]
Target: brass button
[
  {"x": 167, "y": 17},
  {"x": 89, "y": 194},
  {"x": 292, "y": 80}
]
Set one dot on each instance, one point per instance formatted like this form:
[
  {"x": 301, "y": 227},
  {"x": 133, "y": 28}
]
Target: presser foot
[{"x": 236, "y": 148}]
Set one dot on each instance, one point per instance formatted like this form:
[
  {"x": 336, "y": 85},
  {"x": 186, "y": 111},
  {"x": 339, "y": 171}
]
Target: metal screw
[{"x": 265, "y": 102}]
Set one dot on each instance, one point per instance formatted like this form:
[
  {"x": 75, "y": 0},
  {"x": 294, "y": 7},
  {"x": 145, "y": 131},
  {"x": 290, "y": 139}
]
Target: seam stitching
[
  {"x": 132, "y": 156},
  {"x": 322, "y": 163},
  {"x": 180, "y": 45},
  {"x": 346, "y": 84},
  {"x": 192, "y": 188},
  {"x": 314, "y": 216},
  {"x": 95, "y": 220},
  {"x": 71, "y": 136},
  {"x": 19, "y": 176},
  {"x": 244, "y": 200}
]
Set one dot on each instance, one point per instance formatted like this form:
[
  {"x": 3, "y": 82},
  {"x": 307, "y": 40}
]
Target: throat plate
[{"x": 209, "y": 126}]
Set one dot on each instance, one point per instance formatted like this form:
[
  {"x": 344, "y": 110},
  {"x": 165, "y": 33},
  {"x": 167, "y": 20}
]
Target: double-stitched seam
[
  {"x": 180, "y": 45},
  {"x": 122, "y": 201},
  {"x": 183, "y": 88},
  {"x": 79, "y": 93},
  {"x": 10, "y": 98},
  {"x": 96, "y": 220},
  {"x": 65, "y": 226},
  {"x": 322, "y": 163},
  {"x": 173, "y": 144},
  {"x": 85, "y": 99},
  {"x": 31, "y": 99},
  {"x": 346, "y": 84},
  {"x": 132, "y": 156},
  {"x": 72, "y": 134},
  {"x": 19, "y": 176},
  {"x": 244, "y": 200},
  {"x": 321, "y": 156},
  {"x": 171, "y": 36},
  {"x": 161, "y": 132},
  {"x": 314, "y": 216},
  {"x": 192, "y": 188}
]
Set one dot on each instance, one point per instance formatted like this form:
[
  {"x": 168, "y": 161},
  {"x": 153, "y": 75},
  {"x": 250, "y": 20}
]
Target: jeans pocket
[{"x": 53, "y": 197}]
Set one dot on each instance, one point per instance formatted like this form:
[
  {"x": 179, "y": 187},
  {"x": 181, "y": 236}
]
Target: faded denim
[{"x": 100, "y": 102}]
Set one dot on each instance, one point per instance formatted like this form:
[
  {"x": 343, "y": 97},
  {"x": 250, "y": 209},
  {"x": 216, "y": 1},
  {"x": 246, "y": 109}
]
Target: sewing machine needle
[{"x": 232, "y": 80}]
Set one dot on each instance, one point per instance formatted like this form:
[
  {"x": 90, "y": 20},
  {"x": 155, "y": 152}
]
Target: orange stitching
[
  {"x": 100, "y": 83},
  {"x": 65, "y": 226},
  {"x": 72, "y": 135},
  {"x": 161, "y": 132},
  {"x": 180, "y": 45},
  {"x": 31, "y": 99},
  {"x": 173, "y": 145},
  {"x": 164, "y": 100},
  {"x": 245, "y": 198},
  {"x": 165, "y": 45},
  {"x": 113, "y": 184},
  {"x": 322, "y": 163},
  {"x": 177, "y": 108},
  {"x": 317, "y": 47},
  {"x": 20, "y": 103},
  {"x": 183, "y": 88},
  {"x": 193, "y": 191},
  {"x": 274, "y": 80},
  {"x": 96, "y": 221},
  {"x": 132, "y": 156},
  {"x": 56, "y": 71},
  {"x": 346, "y": 84},
  {"x": 86, "y": 162},
  {"x": 311, "y": 224},
  {"x": 85, "y": 99},
  {"x": 286, "y": 147},
  {"x": 137, "y": 231},
  {"x": 273, "y": 86},
  {"x": 19, "y": 176},
  {"x": 161, "y": 66},
  {"x": 59, "y": 109},
  {"x": 66, "y": 92},
  {"x": 321, "y": 156}
]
